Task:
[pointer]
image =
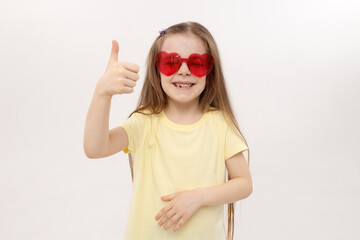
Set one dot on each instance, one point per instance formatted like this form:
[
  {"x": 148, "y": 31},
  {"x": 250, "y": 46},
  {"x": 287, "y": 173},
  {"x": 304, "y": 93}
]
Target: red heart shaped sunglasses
[{"x": 170, "y": 63}]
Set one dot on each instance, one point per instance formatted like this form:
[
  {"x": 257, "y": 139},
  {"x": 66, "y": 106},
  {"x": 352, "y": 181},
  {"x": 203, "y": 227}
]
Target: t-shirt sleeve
[
  {"x": 234, "y": 143},
  {"x": 134, "y": 127}
]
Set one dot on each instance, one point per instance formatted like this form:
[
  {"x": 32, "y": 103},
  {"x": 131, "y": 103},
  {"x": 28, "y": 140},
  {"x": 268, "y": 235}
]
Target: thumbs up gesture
[{"x": 119, "y": 77}]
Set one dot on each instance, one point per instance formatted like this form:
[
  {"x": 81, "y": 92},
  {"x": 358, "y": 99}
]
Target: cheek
[
  {"x": 165, "y": 81},
  {"x": 165, "y": 78},
  {"x": 203, "y": 81}
]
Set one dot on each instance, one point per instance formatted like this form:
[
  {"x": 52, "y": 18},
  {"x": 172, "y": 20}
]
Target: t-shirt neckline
[{"x": 182, "y": 126}]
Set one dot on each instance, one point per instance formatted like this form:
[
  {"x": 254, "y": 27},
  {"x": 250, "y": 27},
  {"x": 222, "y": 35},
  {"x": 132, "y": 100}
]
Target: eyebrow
[{"x": 182, "y": 55}]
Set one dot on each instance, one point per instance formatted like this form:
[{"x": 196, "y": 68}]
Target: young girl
[{"x": 180, "y": 139}]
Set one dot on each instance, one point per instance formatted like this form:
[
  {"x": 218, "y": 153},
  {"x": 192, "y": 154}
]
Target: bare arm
[
  {"x": 99, "y": 142},
  {"x": 119, "y": 78},
  {"x": 96, "y": 133},
  {"x": 238, "y": 187}
]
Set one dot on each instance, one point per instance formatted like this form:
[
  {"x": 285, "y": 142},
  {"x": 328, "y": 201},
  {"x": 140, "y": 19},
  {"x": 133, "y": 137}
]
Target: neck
[
  {"x": 183, "y": 113},
  {"x": 183, "y": 109}
]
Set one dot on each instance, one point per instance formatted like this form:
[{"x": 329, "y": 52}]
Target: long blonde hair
[{"x": 214, "y": 97}]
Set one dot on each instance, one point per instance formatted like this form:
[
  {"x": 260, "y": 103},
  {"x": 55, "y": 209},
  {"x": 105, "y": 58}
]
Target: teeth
[{"x": 183, "y": 85}]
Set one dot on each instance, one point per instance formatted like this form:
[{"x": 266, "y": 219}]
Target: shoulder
[
  {"x": 141, "y": 114},
  {"x": 219, "y": 118},
  {"x": 215, "y": 118},
  {"x": 144, "y": 118},
  {"x": 216, "y": 114}
]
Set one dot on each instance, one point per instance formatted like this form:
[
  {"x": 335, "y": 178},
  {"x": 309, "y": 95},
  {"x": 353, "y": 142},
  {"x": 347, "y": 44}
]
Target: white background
[{"x": 292, "y": 71}]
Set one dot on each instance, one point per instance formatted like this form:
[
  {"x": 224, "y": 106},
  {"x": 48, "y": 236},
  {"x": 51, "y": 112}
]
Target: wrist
[
  {"x": 202, "y": 194},
  {"x": 101, "y": 95}
]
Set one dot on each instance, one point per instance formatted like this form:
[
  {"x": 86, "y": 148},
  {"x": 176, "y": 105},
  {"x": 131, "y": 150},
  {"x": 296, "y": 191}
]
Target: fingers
[
  {"x": 162, "y": 212},
  {"x": 131, "y": 66},
  {"x": 114, "y": 58},
  {"x": 169, "y": 214},
  {"x": 173, "y": 219},
  {"x": 127, "y": 90},
  {"x": 130, "y": 75},
  {"x": 114, "y": 52},
  {"x": 129, "y": 83},
  {"x": 180, "y": 223},
  {"x": 119, "y": 77}
]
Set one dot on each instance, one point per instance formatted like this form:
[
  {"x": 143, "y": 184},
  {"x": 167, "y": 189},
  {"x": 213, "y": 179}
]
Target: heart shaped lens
[{"x": 170, "y": 63}]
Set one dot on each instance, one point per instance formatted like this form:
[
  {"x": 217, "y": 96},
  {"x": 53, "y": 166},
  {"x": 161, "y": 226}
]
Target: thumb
[
  {"x": 168, "y": 196},
  {"x": 114, "y": 52}
]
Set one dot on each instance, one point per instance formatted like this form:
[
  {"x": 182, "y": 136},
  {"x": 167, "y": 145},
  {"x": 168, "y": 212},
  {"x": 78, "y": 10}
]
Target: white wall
[{"x": 292, "y": 69}]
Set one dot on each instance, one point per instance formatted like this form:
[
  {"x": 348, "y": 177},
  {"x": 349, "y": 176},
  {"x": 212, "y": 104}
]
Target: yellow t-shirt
[{"x": 171, "y": 157}]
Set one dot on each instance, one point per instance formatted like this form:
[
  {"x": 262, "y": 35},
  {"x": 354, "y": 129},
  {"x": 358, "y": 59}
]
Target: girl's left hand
[{"x": 182, "y": 206}]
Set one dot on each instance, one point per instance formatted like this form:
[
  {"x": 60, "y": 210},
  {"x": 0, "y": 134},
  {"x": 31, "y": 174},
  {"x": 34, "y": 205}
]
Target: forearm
[
  {"x": 96, "y": 133},
  {"x": 228, "y": 192}
]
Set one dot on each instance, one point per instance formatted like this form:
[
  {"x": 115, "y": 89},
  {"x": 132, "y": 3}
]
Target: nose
[{"x": 184, "y": 69}]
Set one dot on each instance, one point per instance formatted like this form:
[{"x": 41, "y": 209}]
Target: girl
[{"x": 180, "y": 139}]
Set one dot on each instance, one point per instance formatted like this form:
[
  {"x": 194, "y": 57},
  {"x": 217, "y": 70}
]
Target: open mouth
[{"x": 183, "y": 85}]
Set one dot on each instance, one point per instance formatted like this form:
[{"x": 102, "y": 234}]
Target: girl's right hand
[{"x": 119, "y": 77}]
